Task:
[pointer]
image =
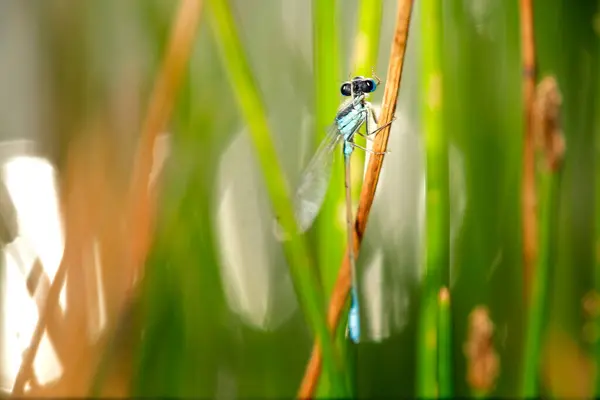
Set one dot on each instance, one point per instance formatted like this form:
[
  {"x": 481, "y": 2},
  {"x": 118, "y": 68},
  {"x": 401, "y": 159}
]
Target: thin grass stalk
[
  {"x": 597, "y": 208},
  {"x": 330, "y": 225},
  {"x": 390, "y": 97},
  {"x": 160, "y": 107},
  {"x": 539, "y": 289},
  {"x": 364, "y": 62},
  {"x": 546, "y": 129},
  {"x": 162, "y": 101},
  {"x": 253, "y": 110},
  {"x": 445, "y": 344},
  {"x": 366, "y": 42},
  {"x": 437, "y": 197},
  {"x": 529, "y": 211},
  {"x": 331, "y": 233}
]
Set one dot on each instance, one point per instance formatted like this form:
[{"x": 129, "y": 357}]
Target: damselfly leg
[
  {"x": 369, "y": 151},
  {"x": 376, "y": 131}
]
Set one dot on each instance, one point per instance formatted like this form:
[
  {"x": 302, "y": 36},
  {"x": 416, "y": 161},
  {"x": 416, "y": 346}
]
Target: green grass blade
[
  {"x": 330, "y": 226},
  {"x": 251, "y": 105},
  {"x": 533, "y": 339},
  {"x": 534, "y": 330},
  {"x": 445, "y": 344},
  {"x": 437, "y": 200},
  {"x": 366, "y": 42},
  {"x": 366, "y": 46},
  {"x": 597, "y": 194},
  {"x": 331, "y": 223}
]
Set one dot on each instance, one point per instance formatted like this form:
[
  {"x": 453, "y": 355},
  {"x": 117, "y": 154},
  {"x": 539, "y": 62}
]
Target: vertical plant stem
[
  {"x": 158, "y": 114},
  {"x": 546, "y": 126},
  {"x": 445, "y": 344},
  {"x": 597, "y": 197},
  {"x": 366, "y": 46},
  {"x": 162, "y": 101},
  {"x": 331, "y": 232},
  {"x": 528, "y": 188},
  {"x": 330, "y": 222},
  {"x": 363, "y": 63},
  {"x": 437, "y": 199},
  {"x": 539, "y": 290},
  {"x": 325, "y": 64},
  {"x": 251, "y": 105},
  {"x": 390, "y": 97},
  {"x": 366, "y": 42}
]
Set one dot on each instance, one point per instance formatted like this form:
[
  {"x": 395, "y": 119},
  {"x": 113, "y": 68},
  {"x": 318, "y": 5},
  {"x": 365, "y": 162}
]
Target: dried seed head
[
  {"x": 546, "y": 122},
  {"x": 482, "y": 359}
]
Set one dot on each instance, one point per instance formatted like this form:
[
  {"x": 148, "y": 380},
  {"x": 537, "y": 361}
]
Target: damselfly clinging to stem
[{"x": 351, "y": 115}]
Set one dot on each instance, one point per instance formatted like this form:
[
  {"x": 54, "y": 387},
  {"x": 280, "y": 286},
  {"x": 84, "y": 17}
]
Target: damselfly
[{"x": 351, "y": 115}]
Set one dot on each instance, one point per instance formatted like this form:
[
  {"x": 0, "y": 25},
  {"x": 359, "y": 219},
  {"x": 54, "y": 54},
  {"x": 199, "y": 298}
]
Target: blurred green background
[{"x": 216, "y": 312}]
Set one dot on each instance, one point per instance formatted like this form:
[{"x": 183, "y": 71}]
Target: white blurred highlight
[{"x": 31, "y": 184}]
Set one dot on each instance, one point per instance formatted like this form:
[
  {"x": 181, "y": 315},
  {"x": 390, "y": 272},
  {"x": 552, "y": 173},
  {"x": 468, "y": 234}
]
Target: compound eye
[
  {"x": 345, "y": 89},
  {"x": 370, "y": 85}
]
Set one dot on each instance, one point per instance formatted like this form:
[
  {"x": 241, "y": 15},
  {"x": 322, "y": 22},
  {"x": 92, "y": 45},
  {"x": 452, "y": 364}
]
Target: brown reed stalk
[
  {"x": 529, "y": 208},
  {"x": 157, "y": 116}
]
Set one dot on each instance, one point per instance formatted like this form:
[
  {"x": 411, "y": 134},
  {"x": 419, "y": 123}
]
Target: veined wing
[
  {"x": 315, "y": 180},
  {"x": 345, "y": 104}
]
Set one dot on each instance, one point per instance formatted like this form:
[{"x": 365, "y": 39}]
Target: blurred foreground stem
[
  {"x": 597, "y": 203},
  {"x": 251, "y": 105},
  {"x": 437, "y": 200},
  {"x": 528, "y": 200},
  {"x": 331, "y": 235},
  {"x": 445, "y": 344},
  {"x": 364, "y": 60},
  {"x": 326, "y": 66},
  {"x": 546, "y": 128},
  {"x": 533, "y": 339}
]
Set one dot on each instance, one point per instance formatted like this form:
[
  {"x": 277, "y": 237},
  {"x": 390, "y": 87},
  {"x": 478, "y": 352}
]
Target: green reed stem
[
  {"x": 246, "y": 92},
  {"x": 547, "y": 196},
  {"x": 364, "y": 60},
  {"x": 331, "y": 223},
  {"x": 330, "y": 227},
  {"x": 437, "y": 200},
  {"x": 445, "y": 344},
  {"x": 597, "y": 202}
]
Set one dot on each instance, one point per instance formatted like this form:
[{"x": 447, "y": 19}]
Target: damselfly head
[{"x": 358, "y": 86}]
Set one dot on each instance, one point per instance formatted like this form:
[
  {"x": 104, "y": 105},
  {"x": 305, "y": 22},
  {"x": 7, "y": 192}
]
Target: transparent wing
[
  {"x": 345, "y": 104},
  {"x": 314, "y": 181}
]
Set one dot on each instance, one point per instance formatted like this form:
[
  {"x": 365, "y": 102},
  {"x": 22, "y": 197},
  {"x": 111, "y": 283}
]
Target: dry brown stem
[{"x": 528, "y": 184}]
